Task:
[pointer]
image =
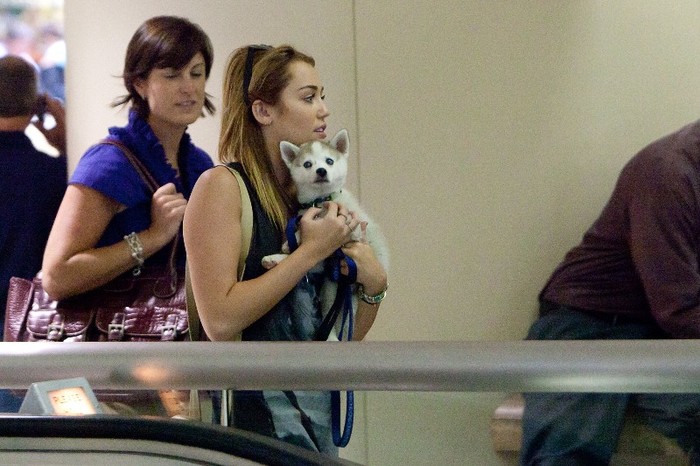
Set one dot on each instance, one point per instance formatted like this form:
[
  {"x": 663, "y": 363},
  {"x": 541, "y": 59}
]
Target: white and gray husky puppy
[{"x": 319, "y": 170}]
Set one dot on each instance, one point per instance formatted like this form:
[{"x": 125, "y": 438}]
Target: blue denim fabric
[
  {"x": 583, "y": 428},
  {"x": 9, "y": 403},
  {"x": 296, "y": 317},
  {"x": 285, "y": 418}
]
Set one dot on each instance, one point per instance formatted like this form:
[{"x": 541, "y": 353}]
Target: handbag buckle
[
  {"x": 168, "y": 331},
  {"x": 115, "y": 330},
  {"x": 55, "y": 328}
]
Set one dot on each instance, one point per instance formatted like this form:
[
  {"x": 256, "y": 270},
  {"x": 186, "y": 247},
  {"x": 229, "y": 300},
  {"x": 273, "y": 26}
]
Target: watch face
[{"x": 70, "y": 401}]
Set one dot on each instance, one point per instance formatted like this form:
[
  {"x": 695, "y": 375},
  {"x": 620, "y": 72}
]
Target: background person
[
  {"x": 635, "y": 275},
  {"x": 270, "y": 95},
  {"x": 32, "y": 183},
  {"x": 51, "y": 48}
]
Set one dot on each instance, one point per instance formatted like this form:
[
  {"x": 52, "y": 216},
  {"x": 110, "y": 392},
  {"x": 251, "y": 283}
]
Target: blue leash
[
  {"x": 343, "y": 301},
  {"x": 338, "y": 439}
]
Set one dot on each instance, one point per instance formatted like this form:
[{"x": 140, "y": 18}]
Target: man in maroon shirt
[{"x": 635, "y": 275}]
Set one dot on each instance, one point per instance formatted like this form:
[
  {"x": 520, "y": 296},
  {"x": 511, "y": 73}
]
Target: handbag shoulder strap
[
  {"x": 153, "y": 186},
  {"x": 246, "y": 238},
  {"x": 246, "y": 221},
  {"x": 137, "y": 164}
]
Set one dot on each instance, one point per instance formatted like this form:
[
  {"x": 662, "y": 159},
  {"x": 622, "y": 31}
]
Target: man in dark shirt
[
  {"x": 635, "y": 275},
  {"x": 32, "y": 183}
]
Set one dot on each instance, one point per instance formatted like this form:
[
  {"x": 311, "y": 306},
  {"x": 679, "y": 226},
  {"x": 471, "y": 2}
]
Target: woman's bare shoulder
[
  {"x": 219, "y": 180},
  {"x": 215, "y": 193}
]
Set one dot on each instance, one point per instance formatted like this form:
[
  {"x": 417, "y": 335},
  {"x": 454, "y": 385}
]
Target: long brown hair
[
  {"x": 241, "y": 138},
  {"x": 163, "y": 42}
]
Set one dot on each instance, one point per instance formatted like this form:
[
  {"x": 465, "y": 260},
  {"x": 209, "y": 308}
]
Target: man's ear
[{"x": 261, "y": 112}]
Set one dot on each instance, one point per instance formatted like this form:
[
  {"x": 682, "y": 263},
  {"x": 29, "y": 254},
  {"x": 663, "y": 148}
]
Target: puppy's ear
[
  {"x": 341, "y": 142},
  {"x": 289, "y": 151}
]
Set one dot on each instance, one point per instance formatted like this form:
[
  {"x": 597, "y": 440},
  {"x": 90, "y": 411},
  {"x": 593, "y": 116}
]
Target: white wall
[
  {"x": 487, "y": 136},
  {"x": 492, "y": 134},
  {"x": 98, "y": 31}
]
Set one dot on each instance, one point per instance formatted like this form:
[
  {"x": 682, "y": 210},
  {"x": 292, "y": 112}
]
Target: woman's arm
[
  {"x": 212, "y": 231},
  {"x": 373, "y": 278},
  {"x": 72, "y": 264}
]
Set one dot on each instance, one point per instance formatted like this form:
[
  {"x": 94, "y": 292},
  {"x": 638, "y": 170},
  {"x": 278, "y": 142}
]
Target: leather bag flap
[
  {"x": 54, "y": 325},
  {"x": 147, "y": 322}
]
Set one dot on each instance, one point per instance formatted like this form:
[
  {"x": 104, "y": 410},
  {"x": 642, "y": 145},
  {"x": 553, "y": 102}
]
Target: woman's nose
[
  {"x": 323, "y": 110},
  {"x": 188, "y": 85}
]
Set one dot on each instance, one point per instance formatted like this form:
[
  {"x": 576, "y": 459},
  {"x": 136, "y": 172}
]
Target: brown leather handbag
[{"x": 151, "y": 306}]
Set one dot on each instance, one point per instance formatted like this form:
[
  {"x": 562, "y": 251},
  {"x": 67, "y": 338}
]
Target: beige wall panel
[
  {"x": 98, "y": 31},
  {"x": 491, "y": 135}
]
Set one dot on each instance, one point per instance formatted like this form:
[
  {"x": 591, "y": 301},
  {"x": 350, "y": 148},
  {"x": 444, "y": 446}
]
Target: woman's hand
[
  {"x": 56, "y": 135},
  {"x": 372, "y": 276},
  {"x": 370, "y": 272},
  {"x": 326, "y": 229},
  {"x": 167, "y": 211}
]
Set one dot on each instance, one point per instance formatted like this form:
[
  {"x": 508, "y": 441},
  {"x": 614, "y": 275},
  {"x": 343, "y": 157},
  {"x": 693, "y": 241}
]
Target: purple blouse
[{"x": 104, "y": 168}]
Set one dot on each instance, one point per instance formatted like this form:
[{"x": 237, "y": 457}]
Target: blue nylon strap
[
  {"x": 338, "y": 439},
  {"x": 352, "y": 270},
  {"x": 342, "y": 440},
  {"x": 291, "y": 233}
]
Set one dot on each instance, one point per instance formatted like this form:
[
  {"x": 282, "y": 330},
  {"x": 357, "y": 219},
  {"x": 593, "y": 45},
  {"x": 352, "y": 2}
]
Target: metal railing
[{"x": 668, "y": 366}]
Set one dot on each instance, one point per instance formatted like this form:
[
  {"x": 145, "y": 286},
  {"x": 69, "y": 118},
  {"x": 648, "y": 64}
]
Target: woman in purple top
[{"x": 109, "y": 222}]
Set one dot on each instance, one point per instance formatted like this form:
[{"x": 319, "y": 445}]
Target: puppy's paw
[{"x": 269, "y": 262}]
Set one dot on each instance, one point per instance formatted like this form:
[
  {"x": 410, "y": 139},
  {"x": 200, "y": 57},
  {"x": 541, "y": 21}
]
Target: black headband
[{"x": 248, "y": 72}]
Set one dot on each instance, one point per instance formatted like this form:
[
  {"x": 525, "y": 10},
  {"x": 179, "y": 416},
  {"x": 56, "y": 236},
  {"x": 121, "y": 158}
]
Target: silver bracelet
[
  {"x": 132, "y": 239},
  {"x": 371, "y": 299}
]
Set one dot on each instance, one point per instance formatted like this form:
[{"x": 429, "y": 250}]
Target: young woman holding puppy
[{"x": 270, "y": 95}]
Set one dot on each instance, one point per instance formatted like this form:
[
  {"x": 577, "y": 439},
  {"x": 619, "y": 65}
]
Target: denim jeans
[
  {"x": 9, "y": 403},
  {"x": 583, "y": 428}
]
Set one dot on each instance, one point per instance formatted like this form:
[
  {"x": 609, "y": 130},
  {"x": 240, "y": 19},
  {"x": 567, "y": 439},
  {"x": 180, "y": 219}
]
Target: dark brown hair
[
  {"x": 18, "y": 87},
  {"x": 163, "y": 42}
]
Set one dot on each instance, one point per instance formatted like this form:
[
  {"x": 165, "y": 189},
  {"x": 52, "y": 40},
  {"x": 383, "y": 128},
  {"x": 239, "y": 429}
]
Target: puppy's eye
[
  {"x": 307, "y": 164},
  {"x": 330, "y": 161}
]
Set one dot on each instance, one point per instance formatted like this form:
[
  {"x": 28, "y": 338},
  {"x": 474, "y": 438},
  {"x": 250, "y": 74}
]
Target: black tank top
[
  {"x": 297, "y": 316},
  {"x": 266, "y": 238}
]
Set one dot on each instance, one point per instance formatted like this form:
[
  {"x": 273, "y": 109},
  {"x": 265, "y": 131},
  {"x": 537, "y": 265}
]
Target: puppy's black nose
[{"x": 321, "y": 172}]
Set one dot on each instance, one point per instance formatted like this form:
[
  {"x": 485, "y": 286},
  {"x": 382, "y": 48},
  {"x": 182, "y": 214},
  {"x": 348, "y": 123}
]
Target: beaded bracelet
[
  {"x": 371, "y": 299},
  {"x": 132, "y": 239}
]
